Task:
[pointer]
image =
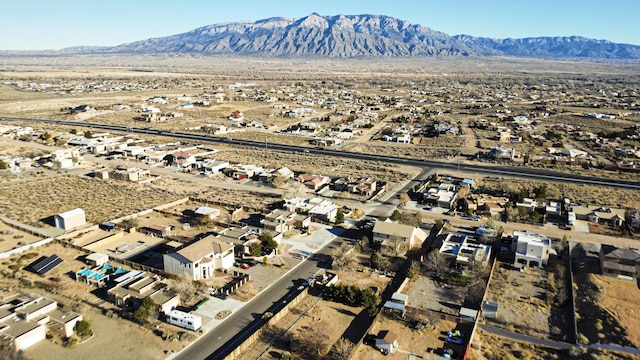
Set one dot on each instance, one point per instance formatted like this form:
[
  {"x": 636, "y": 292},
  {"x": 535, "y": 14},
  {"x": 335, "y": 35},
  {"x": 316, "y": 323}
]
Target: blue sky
[{"x": 55, "y": 24}]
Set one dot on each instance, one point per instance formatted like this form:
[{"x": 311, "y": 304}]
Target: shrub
[{"x": 83, "y": 328}]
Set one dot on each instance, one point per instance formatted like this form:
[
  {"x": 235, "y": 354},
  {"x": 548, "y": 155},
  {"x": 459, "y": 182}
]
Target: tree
[
  {"x": 438, "y": 224},
  {"x": 3, "y": 165},
  {"x": 438, "y": 263},
  {"x": 413, "y": 270},
  {"x": 83, "y": 328},
  {"x": 268, "y": 244},
  {"x": 342, "y": 349},
  {"x": 396, "y": 215},
  {"x": 404, "y": 199},
  {"x": 88, "y": 134},
  {"x": 73, "y": 131},
  {"x": 46, "y": 136},
  {"x": 339, "y": 217},
  {"x": 411, "y": 218},
  {"x": 343, "y": 256},
  {"x": 255, "y": 249}
]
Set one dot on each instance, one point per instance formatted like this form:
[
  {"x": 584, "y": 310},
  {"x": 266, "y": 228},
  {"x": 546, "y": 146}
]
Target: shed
[
  {"x": 97, "y": 259},
  {"x": 107, "y": 226},
  {"x": 70, "y": 219},
  {"x": 469, "y": 314},
  {"x": 387, "y": 341},
  {"x": 490, "y": 309}
]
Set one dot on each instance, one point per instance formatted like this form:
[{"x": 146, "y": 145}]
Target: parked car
[
  {"x": 244, "y": 266},
  {"x": 369, "y": 339},
  {"x": 454, "y": 340},
  {"x": 455, "y": 333},
  {"x": 213, "y": 291},
  {"x": 474, "y": 218},
  {"x": 221, "y": 295}
]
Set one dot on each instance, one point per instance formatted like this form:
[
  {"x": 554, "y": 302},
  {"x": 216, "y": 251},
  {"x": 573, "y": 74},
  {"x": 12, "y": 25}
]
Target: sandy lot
[
  {"x": 528, "y": 302},
  {"x": 11, "y": 238},
  {"x": 410, "y": 340},
  {"x": 608, "y": 309}
]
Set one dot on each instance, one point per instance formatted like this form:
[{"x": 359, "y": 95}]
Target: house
[
  {"x": 387, "y": 342},
  {"x": 181, "y": 159},
  {"x": 96, "y": 259},
  {"x": 129, "y": 174},
  {"x": 242, "y": 238},
  {"x": 443, "y": 196},
  {"x": 157, "y": 230},
  {"x": 386, "y": 232},
  {"x": 502, "y": 153},
  {"x": 281, "y": 221},
  {"x": 397, "y": 303},
  {"x": 532, "y": 250},
  {"x": 132, "y": 287},
  {"x": 24, "y": 320},
  {"x": 600, "y": 214},
  {"x": 70, "y": 219},
  {"x": 236, "y": 116},
  {"x": 313, "y": 182},
  {"x": 66, "y": 158},
  {"x": 200, "y": 258},
  {"x": 464, "y": 250},
  {"x": 205, "y": 212},
  {"x": 213, "y": 167},
  {"x": 620, "y": 261}
]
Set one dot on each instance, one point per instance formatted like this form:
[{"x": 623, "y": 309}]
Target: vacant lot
[
  {"x": 308, "y": 331},
  {"x": 608, "y": 310},
  {"x": 11, "y": 238},
  {"x": 534, "y": 302},
  {"x": 492, "y": 347},
  {"x": 32, "y": 202},
  {"x": 416, "y": 342}
]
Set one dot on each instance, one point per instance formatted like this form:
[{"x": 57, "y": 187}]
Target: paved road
[
  {"x": 526, "y": 338},
  {"x": 219, "y": 341},
  {"x": 490, "y": 169}
]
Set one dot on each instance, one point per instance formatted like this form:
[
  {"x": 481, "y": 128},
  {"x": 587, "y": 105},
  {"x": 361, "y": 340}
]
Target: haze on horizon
[{"x": 43, "y": 25}]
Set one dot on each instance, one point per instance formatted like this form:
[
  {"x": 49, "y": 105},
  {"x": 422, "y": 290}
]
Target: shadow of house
[{"x": 585, "y": 257}]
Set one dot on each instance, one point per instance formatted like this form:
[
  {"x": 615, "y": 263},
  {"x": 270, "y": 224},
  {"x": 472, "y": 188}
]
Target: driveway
[
  {"x": 581, "y": 226},
  {"x": 307, "y": 245}
]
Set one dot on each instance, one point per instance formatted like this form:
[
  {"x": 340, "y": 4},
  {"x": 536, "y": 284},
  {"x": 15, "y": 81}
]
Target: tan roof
[
  {"x": 198, "y": 249},
  {"x": 220, "y": 247},
  {"x": 393, "y": 229}
]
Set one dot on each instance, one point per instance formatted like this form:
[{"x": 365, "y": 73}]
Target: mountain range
[{"x": 359, "y": 36}]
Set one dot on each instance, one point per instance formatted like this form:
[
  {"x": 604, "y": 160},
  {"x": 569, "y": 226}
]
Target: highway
[
  {"x": 219, "y": 342},
  {"x": 495, "y": 170}
]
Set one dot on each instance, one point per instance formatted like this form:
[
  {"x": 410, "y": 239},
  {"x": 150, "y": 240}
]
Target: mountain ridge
[{"x": 356, "y": 36}]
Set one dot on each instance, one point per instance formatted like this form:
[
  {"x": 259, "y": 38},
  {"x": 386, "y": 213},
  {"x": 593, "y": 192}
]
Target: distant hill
[{"x": 353, "y": 36}]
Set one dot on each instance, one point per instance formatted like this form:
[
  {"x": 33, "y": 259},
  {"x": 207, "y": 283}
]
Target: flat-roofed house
[{"x": 532, "y": 250}]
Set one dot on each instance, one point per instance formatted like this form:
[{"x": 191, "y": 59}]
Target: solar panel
[{"x": 45, "y": 265}]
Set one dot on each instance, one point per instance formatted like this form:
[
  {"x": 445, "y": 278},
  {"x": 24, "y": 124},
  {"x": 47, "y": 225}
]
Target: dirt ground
[
  {"x": 33, "y": 201},
  {"x": 413, "y": 341},
  {"x": 493, "y": 347},
  {"x": 11, "y": 238},
  {"x": 328, "y": 319},
  {"x": 113, "y": 338},
  {"x": 528, "y": 301},
  {"x": 608, "y": 309}
]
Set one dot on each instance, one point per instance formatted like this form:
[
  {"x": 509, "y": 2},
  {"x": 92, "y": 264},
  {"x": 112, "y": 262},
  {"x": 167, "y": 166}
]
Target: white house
[
  {"x": 200, "y": 258},
  {"x": 532, "y": 250}
]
